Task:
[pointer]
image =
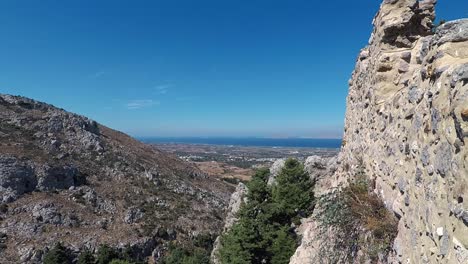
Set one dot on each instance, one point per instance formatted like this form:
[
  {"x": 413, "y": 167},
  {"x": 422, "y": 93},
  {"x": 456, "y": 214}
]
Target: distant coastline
[{"x": 249, "y": 142}]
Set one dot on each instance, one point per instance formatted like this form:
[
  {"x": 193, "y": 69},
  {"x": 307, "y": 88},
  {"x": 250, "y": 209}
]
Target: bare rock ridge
[
  {"x": 407, "y": 123},
  {"x": 235, "y": 203},
  {"x": 66, "y": 178}
]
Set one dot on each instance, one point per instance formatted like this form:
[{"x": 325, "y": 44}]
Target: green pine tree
[
  {"x": 106, "y": 254},
  {"x": 283, "y": 246},
  {"x": 261, "y": 234},
  {"x": 293, "y": 189},
  {"x": 234, "y": 248}
]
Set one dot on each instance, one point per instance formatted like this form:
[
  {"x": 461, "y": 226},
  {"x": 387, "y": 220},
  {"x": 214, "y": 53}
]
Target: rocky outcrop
[
  {"x": 16, "y": 178},
  {"x": 237, "y": 198},
  {"x": 316, "y": 167},
  {"x": 275, "y": 170},
  {"x": 319, "y": 167},
  {"x": 406, "y": 126},
  {"x": 64, "y": 177}
]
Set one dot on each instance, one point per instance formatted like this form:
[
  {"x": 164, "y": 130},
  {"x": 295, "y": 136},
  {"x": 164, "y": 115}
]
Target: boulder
[{"x": 16, "y": 178}]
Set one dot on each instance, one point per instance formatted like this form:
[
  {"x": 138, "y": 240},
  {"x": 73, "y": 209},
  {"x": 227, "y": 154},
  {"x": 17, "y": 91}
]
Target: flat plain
[{"x": 238, "y": 163}]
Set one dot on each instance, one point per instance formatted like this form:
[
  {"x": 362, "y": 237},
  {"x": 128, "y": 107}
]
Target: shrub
[
  {"x": 119, "y": 261},
  {"x": 438, "y": 24},
  {"x": 3, "y": 208},
  {"x": 109, "y": 255},
  {"x": 204, "y": 241},
  {"x": 106, "y": 254},
  {"x": 359, "y": 220},
  {"x": 179, "y": 254},
  {"x": 86, "y": 257},
  {"x": 57, "y": 255},
  {"x": 198, "y": 252},
  {"x": 231, "y": 180}
]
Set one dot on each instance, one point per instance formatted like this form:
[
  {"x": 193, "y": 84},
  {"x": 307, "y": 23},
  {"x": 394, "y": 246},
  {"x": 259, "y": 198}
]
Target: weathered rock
[
  {"x": 16, "y": 178},
  {"x": 318, "y": 167},
  {"x": 133, "y": 215},
  {"x": 51, "y": 178},
  {"x": 237, "y": 198},
  {"x": 409, "y": 136},
  {"x": 275, "y": 169},
  {"x": 47, "y": 213},
  {"x": 443, "y": 160},
  {"x": 452, "y": 31}
]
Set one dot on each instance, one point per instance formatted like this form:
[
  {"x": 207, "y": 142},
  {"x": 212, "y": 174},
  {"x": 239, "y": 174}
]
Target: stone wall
[{"x": 407, "y": 124}]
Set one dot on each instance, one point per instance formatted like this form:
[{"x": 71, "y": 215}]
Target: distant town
[{"x": 238, "y": 163}]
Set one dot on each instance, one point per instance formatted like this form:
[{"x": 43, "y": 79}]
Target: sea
[{"x": 249, "y": 142}]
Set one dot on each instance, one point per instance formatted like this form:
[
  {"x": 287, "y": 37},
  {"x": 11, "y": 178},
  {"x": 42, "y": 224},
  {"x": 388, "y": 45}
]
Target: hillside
[{"x": 66, "y": 178}]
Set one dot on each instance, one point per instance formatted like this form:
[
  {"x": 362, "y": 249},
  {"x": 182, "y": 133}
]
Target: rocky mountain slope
[
  {"x": 407, "y": 127},
  {"x": 66, "y": 178}
]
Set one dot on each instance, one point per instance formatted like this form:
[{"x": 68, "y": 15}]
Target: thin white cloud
[
  {"x": 139, "y": 104},
  {"x": 98, "y": 74},
  {"x": 186, "y": 98},
  {"x": 162, "y": 89}
]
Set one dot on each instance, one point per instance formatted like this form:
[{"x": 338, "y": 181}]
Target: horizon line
[{"x": 244, "y": 137}]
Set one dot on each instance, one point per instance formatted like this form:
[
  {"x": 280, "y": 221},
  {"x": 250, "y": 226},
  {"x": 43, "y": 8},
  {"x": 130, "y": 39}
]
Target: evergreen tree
[
  {"x": 283, "y": 246},
  {"x": 261, "y": 234},
  {"x": 238, "y": 244},
  {"x": 246, "y": 243},
  {"x": 106, "y": 254},
  {"x": 293, "y": 189},
  {"x": 258, "y": 190},
  {"x": 197, "y": 253}
]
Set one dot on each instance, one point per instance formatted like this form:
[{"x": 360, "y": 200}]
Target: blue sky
[{"x": 191, "y": 68}]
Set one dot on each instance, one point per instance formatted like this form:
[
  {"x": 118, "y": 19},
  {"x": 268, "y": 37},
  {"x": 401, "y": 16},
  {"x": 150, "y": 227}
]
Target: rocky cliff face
[
  {"x": 238, "y": 197},
  {"x": 407, "y": 126},
  {"x": 66, "y": 178}
]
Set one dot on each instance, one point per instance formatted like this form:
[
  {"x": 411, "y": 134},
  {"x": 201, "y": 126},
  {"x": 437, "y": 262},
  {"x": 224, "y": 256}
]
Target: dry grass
[
  {"x": 224, "y": 171},
  {"x": 360, "y": 221}
]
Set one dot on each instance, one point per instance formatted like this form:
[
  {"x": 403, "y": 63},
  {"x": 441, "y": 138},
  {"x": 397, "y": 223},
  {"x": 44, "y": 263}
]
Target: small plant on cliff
[
  {"x": 438, "y": 24},
  {"x": 359, "y": 221},
  {"x": 263, "y": 233}
]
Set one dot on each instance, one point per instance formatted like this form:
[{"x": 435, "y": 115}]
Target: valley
[{"x": 238, "y": 163}]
